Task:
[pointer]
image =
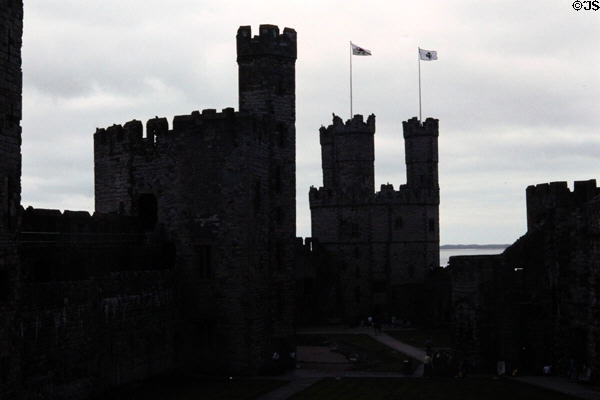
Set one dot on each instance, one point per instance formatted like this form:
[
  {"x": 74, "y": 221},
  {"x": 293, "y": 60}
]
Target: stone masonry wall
[
  {"x": 223, "y": 186},
  {"x": 382, "y": 243},
  {"x": 93, "y": 306},
  {"x": 11, "y": 31},
  {"x": 267, "y": 90},
  {"x": 540, "y": 295}
]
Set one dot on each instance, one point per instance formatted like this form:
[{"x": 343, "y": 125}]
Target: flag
[
  {"x": 427, "y": 55},
  {"x": 359, "y": 51}
]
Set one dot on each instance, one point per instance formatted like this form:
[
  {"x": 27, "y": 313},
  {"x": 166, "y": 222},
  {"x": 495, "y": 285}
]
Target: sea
[{"x": 445, "y": 254}]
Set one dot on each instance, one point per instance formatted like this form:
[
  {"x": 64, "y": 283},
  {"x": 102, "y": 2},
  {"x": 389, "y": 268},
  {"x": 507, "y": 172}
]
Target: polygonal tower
[
  {"x": 348, "y": 155},
  {"x": 267, "y": 82},
  {"x": 421, "y": 150}
]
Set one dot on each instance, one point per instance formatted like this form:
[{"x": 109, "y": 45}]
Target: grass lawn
[
  {"x": 189, "y": 388},
  {"x": 421, "y": 389},
  {"x": 418, "y": 336},
  {"x": 370, "y": 354}
]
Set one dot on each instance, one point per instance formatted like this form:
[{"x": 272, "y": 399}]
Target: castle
[
  {"x": 191, "y": 261},
  {"x": 383, "y": 243}
]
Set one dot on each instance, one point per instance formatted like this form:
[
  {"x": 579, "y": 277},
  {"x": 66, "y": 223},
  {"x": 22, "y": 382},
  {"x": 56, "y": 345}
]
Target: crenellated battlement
[
  {"x": 546, "y": 197},
  {"x": 414, "y": 127},
  {"x": 269, "y": 42},
  {"x": 53, "y": 221},
  {"x": 405, "y": 195},
  {"x": 558, "y": 193},
  {"x": 354, "y": 126},
  {"x": 131, "y": 134}
]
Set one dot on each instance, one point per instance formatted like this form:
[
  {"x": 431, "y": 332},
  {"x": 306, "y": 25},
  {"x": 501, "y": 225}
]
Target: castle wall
[
  {"x": 538, "y": 302},
  {"x": 11, "y": 32},
  {"x": 96, "y": 306},
  {"x": 10, "y": 295},
  {"x": 384, "y": 241},
  {"x": 485, "y": 311}
]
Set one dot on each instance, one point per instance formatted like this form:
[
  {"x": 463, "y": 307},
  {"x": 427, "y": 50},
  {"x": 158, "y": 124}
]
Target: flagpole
[
  {"x": 350, "y": 79},
  {"x": 419, "y": 60}
]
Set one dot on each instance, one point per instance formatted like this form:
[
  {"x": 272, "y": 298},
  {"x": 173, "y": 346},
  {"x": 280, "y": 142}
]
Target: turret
[
  {"x": 421, "y": 151},
  {"x": 348, "y": 155},
  {"x": 267, "y": 71}
]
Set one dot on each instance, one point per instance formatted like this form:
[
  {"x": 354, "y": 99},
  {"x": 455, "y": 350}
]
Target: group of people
[
  {"x": 581, "y": 374},
  {"x": 371, "y": 322},
  {"x": 442, "y": 363}
]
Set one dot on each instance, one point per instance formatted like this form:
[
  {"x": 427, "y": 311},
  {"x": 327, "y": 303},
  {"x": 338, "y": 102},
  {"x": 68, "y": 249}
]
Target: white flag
[
  {"x": 427, "y": 55},
  {"x": 359, "y": 51}
]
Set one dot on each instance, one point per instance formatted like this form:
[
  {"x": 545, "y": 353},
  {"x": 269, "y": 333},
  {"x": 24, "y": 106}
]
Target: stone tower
[
  {"x": 421, "y": 150},
  {"x": 385, "y": 242},
  {"x": 11, "y": 15},
  {"x": 222, "y": 185},
  {"x": 348, "y": 155},
  {"x": 267, "y": 91}
]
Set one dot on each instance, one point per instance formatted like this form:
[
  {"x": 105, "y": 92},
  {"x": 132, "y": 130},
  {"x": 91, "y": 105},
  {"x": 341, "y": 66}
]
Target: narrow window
[
  {"x": 205, "y": 261},
  {"x": 4, "y": 369},
  {"x": 354, "y": 230},
  {"x": 357, "y": 294},
  {"x": 148, "y": 211},
  {"x": 278, "y": 255},
  {"x": 398, "y": 223},
  {"x": 431, "y": 225},
  {"x": 281, "y": 135},
  {"x": 277, "y": 179},
  {"x": 4, "y": 286},
  {"x": 256, "y": 196}
]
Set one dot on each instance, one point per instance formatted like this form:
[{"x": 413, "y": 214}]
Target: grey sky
[{"x": 516, "y": 89}]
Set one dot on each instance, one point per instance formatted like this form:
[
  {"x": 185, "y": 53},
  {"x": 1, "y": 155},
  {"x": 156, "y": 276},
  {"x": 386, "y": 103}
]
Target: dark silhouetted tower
[{"x": 11, "y": 15}]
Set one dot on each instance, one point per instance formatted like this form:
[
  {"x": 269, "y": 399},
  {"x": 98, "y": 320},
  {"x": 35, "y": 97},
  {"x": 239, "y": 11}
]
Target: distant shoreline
[{"x": 473, "y": 246}]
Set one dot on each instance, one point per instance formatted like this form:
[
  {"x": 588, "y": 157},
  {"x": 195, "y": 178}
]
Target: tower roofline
[
  {"x": 269, "y": 42},
  {"x": 414, "y": 127}
]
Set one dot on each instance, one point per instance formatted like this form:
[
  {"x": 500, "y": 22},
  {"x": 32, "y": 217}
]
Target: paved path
[
  {"x": 562, "y": 385},
  {"x": 287, "y": 391},
  {"x": 411, "y": 351},
  {"x": 301, "y": 379}
]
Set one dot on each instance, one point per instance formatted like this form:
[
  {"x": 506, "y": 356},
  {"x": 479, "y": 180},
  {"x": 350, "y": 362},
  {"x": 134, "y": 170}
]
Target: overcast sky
[{"x": 516, "y": 89}]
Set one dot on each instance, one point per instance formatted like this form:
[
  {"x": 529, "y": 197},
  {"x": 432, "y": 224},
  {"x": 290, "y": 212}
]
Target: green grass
[
  {"x": 189, "y": 388},
  {"x": 418, "y": 336},
  {"x": 372, "y": 355},
  {"x": 421, "y": 389}
]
